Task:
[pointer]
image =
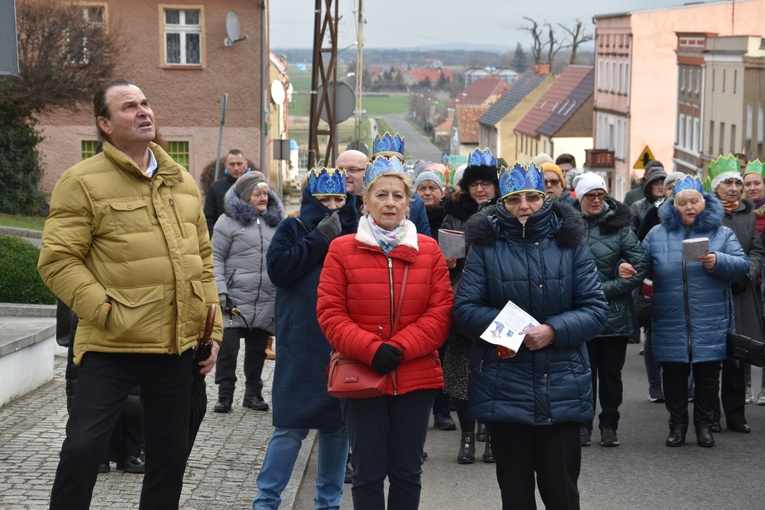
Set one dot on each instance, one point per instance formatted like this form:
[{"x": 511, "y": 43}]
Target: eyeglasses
[
  {"x": 532, "y": 198},
  {"x": 353, "y": 170},
  {"x": 482, "y": 184},
  {"x": 594, "y": 196},
  {"x": 553, "y": 182}
]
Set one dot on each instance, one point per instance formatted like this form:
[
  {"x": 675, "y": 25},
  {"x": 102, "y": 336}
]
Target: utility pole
[{"x": 359, "y": 71}]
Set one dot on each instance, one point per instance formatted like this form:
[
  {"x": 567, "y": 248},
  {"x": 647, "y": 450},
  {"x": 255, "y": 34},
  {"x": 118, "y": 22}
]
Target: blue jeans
[{"x": 280, "y": 459}]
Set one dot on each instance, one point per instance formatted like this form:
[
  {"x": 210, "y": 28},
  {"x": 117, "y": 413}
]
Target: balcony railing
[{"x": 598, "y": 158}]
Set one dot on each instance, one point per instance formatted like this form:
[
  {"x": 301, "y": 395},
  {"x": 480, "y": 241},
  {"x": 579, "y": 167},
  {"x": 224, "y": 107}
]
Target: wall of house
[
  {"x": 507, "y": 140},
  {"x": 186, "y": 100},
  {"x": 652, "y": 97}
]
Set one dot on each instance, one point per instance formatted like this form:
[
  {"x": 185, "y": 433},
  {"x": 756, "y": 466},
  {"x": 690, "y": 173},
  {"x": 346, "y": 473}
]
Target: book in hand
[
  {"x": 452, "y": 243},
  {"x": 695, "y": 248}
]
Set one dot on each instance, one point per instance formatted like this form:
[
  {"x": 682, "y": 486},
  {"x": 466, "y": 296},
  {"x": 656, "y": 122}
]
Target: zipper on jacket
[
  {"x": 392, "y": 306},
  {"x": 394, "y": 380},
  {"x": 177, "y": 217},
  {"x": 687, "y": 305}
]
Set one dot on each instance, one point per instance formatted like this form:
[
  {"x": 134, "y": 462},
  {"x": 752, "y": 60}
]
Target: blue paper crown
[
  {"x": 686, "y": 183},
  {"x": 482, "y": 158},
  {"x": 388, "y": 143},
  {"x": 324, "y": 181},
  {"x": 520, "y": 178},
  {"x": 381, "y": 165}
]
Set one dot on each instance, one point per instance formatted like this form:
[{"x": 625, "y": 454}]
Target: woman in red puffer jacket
[{"x": 359, "y": 293}]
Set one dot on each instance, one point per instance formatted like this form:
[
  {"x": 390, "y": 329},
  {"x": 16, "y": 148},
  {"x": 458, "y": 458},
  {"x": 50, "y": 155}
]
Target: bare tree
[
  {"x": 553, "y": 45},
  {"x": 538, "y": 44},
  {"x": 578, "y": 37},
  {"x": 65, "y": 52}
]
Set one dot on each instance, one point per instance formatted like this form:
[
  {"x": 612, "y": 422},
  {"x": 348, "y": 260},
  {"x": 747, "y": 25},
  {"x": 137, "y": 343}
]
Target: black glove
[
  {"x": 330, "y": 226},
  {"x": 386, "y": 359},
  {"x": 222, "y": 298},
  {"x": 740, "y": 285}
]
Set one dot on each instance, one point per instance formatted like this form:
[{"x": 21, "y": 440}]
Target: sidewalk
[{"x": 220, "y": 475}]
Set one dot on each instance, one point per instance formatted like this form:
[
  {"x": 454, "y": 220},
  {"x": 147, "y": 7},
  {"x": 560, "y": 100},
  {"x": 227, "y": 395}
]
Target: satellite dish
[
  {"x": 232, "y": 29},
  {"x": 277, "y": 92},
  {"x": 346, "y": 102}
]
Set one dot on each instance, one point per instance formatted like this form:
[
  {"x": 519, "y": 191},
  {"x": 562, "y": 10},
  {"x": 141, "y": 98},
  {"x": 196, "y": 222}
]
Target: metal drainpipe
[{"x": 263, "y": 76}]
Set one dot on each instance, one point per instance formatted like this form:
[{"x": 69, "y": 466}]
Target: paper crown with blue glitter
[
  {"x": 755, "y": 167},
  {"x": 520, "y": 178},
  {"x": 482, "y": 158},
  {"x": 689, "y": 182},
  {"x": 324, "y": 182},
  {"x": 724, "y": 168},
  {"x": 379, "y": 166},
  {"x": 388, "y": 143}
]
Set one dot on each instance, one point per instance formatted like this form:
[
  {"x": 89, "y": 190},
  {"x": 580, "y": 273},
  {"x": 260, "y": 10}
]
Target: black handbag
[{"x": 746, "y": 349}]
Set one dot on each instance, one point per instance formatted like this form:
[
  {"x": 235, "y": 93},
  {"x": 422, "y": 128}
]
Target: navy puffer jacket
[
  {"x": 546, "y": 268},
  {"x": 692, "y": 306}
]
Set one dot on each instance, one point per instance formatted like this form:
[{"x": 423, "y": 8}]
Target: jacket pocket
[
  {"x": 130, "y": 216},
  {"x": 136, "y": 314},
  {"x": 196, "y": 311}
]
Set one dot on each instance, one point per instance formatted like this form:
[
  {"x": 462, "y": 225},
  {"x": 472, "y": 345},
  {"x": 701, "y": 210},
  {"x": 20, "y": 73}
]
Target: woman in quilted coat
[
  {"x": 607, "y": 227},
  {"x": 692, "y": 304},
  {"x": 532, "y": 252},
  {"x": 246, "y": 293},
  {"x": 385, "y": 299}
]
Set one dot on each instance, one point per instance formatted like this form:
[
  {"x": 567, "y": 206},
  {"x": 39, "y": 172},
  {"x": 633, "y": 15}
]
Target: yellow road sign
[{"x": 644, "y": 158}]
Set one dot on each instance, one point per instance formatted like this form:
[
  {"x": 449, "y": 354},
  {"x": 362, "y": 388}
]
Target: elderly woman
[
  {"x": 692, "y": 304},
  {"x": 478, "y": 189},
  {"x": 385, "y": 300},
  {"x": 533, "y": 252},
  {"x": 612, "y": 242},
  {"x": 747, "y": 298},
  {"x": 295, "y": 259},
  {"x": 246, "y": 294}
]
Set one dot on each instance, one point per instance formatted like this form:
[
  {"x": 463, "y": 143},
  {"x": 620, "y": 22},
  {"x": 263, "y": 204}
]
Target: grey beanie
[
  {"x": 654, "y": 170},
  {"x": 428, "y": 176},
  {"x": 674, "y": 176},
  {"x": 245, "y": 184},
  {"x": 419, "y": 167}
]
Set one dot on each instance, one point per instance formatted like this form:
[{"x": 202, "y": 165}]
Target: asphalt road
[
  {"x": 642, "y": 473},
  {"x": 417, "y": 145}
]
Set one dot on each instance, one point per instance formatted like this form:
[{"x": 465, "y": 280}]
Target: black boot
[
  {"x": 488, "y": 453},
  {"x": 676, "y": 436},
  {"x": 483, "y": 431},
  {"x": 466, "y": 454},
  {"x": 704, "y": 437}
]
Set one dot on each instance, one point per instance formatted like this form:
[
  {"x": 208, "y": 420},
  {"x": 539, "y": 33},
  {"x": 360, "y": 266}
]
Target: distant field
[{"x": 374, "y": 105}]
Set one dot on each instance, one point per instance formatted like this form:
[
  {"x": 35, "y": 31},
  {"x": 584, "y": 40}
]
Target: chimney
[{"x": 542, "y": 69}]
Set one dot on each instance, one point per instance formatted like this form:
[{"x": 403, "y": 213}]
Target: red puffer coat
[{"x": 354, "y": 308}]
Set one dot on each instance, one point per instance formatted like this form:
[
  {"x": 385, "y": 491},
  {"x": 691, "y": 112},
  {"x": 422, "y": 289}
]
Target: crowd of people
[{"x": 363, "y": 270}]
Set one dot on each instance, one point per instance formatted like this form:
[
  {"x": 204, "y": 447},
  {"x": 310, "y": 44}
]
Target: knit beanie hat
[
  {"x": 428, "y": 176},
  {"x": 458, "y": 173},
  {"x": 672, "y": 178},
  {"x": 552, "y": 167},
  {"x": 245, "y": 184},
  {"x": 654, "y": 171},
  {"x": 588, "y": 182},
  {"x": 541, "y": 158},
  {"x": 419, "y": 167}
]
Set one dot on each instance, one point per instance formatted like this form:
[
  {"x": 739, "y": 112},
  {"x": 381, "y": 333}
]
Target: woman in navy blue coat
[
  {"x": 532, "y": 252},
  {"x": 692, "y": 304},
  {"x": 300, "y": 400}
]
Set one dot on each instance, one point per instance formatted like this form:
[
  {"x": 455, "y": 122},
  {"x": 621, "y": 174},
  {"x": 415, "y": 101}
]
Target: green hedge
[{"x": 19, "y": 280}]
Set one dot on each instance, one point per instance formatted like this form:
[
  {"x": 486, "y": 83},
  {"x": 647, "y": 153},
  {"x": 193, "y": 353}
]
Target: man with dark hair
[
  {"x": 236, "y": 166},
  {"x": 126, "y": 248}
]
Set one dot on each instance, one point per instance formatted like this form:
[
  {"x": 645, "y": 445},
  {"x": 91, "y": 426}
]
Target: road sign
[{"x": 644, "y": 158}]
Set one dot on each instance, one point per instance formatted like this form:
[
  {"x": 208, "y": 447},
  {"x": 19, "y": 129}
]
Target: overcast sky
[{"x": 413, "y": 23}]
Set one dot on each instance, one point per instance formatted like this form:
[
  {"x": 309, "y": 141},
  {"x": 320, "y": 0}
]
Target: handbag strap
[{"x": 400, "y": 299}]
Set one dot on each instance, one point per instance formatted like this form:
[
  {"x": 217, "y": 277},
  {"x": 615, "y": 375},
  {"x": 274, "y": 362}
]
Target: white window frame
[{"x": 183, "y": 30}]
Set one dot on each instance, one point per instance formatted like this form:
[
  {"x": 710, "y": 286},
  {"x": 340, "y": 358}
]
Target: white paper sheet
[{"x": 505, "y": 329}]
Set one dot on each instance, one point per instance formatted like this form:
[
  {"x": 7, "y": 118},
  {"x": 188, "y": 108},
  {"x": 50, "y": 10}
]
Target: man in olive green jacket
[{"x": 126, "y": 247}]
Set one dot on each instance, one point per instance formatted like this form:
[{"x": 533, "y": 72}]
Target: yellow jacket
[{"x": 130, "y": 255}]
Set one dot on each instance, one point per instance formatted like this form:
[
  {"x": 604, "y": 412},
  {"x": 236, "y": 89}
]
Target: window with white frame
[
  {"x": 681, "y": 130},
  {"x": 696, "y": 141},
  {"x": 600, "y": 72},
  {"x": 94, "y": 16},
  {"x": 183, "y": 36},
  {"x": 688, "y": 132}
]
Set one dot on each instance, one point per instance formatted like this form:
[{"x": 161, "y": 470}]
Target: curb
[
  {"x": 21, "y": 232},
  {"x": 24, "y": 310}
]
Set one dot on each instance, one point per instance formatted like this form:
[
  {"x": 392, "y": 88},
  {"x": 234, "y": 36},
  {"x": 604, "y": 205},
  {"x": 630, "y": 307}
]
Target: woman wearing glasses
[
  {"x": 612, "y": 242},
  {"x": 478, "y": 189},
  {"x": 532, "y": 252}
]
